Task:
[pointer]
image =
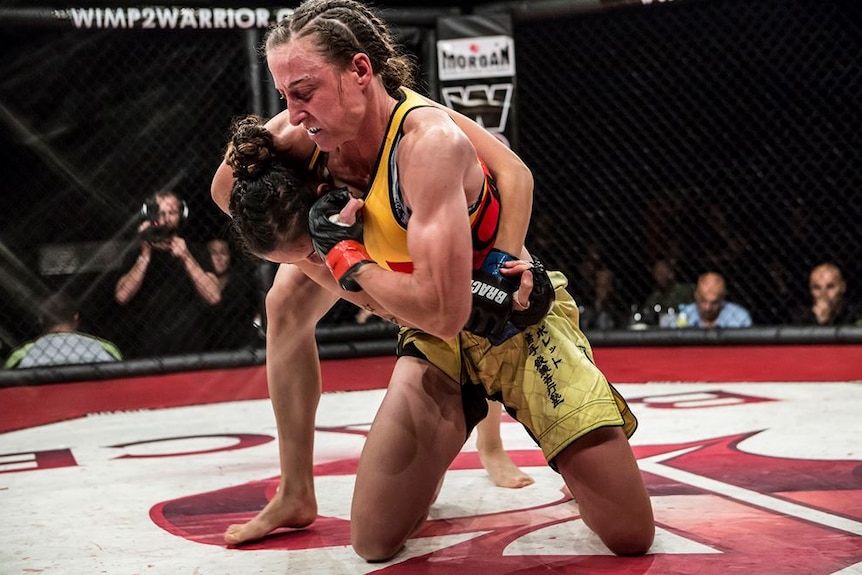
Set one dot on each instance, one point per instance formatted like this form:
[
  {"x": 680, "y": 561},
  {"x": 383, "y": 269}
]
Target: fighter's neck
[{"x": 353, "y": 163}]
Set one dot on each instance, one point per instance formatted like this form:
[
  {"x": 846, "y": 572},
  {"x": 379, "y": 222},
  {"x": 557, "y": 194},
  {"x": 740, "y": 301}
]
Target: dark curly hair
[{"x": 271, "y": 197}]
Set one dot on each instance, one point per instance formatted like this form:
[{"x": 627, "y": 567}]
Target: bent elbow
[
  {"x": 450, "y": 323},
  {"x": 221, "y": 186},
  {"x": 221, "y": 199},
  {"x": 446, "y": 334}
]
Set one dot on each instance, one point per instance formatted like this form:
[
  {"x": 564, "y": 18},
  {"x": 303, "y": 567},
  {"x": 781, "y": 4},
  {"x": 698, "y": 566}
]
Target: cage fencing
[
  {"x": 721, "y": 136},
  {"x": 715, "y": 134}
]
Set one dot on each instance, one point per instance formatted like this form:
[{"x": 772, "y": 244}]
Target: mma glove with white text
[
  {"x": 492, "y": 315},
  {"x": 339, "y": 245},
  {"x": 492, "y": 297}
]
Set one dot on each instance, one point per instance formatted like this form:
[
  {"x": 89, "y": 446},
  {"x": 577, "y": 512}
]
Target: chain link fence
[
  {"x": 716, "y": 134},
  {"x": 94, "y": 123},
  {"x": 720, "y": 135}
]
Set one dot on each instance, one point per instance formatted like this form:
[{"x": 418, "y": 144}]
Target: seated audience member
[
  {"x": 231, "y": 323},
  {"x": 778, "y": 290},
  {"x": 710, "y": 308},
  {"x": 829, "y": 305},
  {"x": 167, "y": 285},
  {"x": 61, "y": 343},
  {"x": 603, "y": 309},
  {"x": 667, "y": 293},
  {"x": 584, "y": 277}
]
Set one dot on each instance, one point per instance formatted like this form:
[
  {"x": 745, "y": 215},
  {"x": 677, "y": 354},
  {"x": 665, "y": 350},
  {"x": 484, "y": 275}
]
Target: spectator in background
[
  {"x": 61, "y": 343},
  {"x": 828, "y": 302},
  {"x": 778, "y": 295},
  {"x": 667, "y": 293},
  {"x": 723, "y": 238},
  {"x": 586, "y": 271},
  {"x": 231, "y": 324},
  {"x": 603, "y": 309},
  {"x": 711, "y": 308},
  {"x": 168, "y": 285}
]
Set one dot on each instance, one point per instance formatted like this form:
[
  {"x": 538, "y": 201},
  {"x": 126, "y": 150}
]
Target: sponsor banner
[
  {"x": 476, "y": 70},
  {"x": 150, "y": 17},
  {"x": 468, "y": 58}
]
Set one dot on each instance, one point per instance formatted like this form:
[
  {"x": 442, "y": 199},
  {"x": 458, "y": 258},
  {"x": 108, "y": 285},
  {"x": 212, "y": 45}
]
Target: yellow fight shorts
[{"x": 544, "y": 376}]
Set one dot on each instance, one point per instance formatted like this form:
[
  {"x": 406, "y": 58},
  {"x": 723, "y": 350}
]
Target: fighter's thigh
[
  {"x": 602, "y": 473},
  {"x": 417, "y": 432}
]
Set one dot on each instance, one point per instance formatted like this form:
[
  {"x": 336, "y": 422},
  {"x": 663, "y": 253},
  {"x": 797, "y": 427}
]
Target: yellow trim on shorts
[{"x": 561, "y": 395}]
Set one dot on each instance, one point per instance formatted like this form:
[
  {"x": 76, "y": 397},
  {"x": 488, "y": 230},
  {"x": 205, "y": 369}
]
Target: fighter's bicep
[{"x": 433, "y": 175}]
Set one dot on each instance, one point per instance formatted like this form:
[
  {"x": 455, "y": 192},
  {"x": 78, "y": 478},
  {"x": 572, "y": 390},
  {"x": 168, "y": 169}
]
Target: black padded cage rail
[{"x": 345, "y": 342}]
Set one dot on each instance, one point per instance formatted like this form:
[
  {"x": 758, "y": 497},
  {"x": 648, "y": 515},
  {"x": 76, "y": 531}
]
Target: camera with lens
[{"x": 157, "y": 233}]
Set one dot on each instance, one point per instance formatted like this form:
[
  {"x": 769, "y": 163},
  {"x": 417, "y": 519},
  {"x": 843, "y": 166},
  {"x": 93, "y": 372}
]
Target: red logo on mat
[{"x": 740, "y": 512}]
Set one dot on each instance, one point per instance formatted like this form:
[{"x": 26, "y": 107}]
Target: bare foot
[
  {"x": 281, "y": 511},
  {"x": 503, "y": 472},
  {"x": 567, "y": 493}
]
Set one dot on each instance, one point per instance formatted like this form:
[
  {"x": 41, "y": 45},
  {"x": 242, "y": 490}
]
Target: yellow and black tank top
[{"x": 385, "y": 216}]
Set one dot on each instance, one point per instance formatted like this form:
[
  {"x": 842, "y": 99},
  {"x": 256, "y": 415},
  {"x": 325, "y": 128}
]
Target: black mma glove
[
  {"x": 541, "y": 299},
  {"x": 492, "y": 297},
  {"x": 339, "y": 245}
]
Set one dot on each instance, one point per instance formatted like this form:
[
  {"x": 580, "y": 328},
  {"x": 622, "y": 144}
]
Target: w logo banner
[
  {"x": 476, "y": 69},
  {"x": 488, "y": 105}
]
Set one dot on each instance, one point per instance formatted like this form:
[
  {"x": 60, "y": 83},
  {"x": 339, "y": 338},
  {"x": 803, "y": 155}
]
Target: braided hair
[
  {"x": 343, "y": 28},
  {"x": 270, "y": 199}
]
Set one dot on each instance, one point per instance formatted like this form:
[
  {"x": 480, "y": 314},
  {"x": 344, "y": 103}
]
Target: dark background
[{"x": 724, "y": 134}]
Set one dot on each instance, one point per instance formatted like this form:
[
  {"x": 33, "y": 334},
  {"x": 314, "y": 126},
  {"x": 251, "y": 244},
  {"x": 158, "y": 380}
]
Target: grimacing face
[{"x": 326, "y": 101}]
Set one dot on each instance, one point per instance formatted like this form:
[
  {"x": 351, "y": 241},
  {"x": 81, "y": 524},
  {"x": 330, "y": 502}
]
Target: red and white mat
[{"x": 142, "y": 475}]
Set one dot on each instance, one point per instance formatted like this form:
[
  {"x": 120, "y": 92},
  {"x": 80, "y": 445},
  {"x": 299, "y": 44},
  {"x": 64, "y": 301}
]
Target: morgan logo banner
[
  {"x": 476, "y": 68},
  {"x": 467, "y": 58}
]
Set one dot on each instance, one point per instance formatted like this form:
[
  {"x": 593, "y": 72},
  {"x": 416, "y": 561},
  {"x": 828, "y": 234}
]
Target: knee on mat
[
  {"x": 634, "y": 541},
  {"x": 375, "y": 549}
]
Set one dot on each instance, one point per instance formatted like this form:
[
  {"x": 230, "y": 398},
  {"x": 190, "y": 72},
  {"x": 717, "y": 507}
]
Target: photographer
[{"x": 168, "y": 284}]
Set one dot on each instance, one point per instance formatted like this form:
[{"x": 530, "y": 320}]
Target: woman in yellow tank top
[{"x": 333, "y": 61}]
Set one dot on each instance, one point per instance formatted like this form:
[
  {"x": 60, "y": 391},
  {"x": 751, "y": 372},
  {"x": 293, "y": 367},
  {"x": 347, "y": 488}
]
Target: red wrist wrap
[{"x": 344, "y": 256}]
